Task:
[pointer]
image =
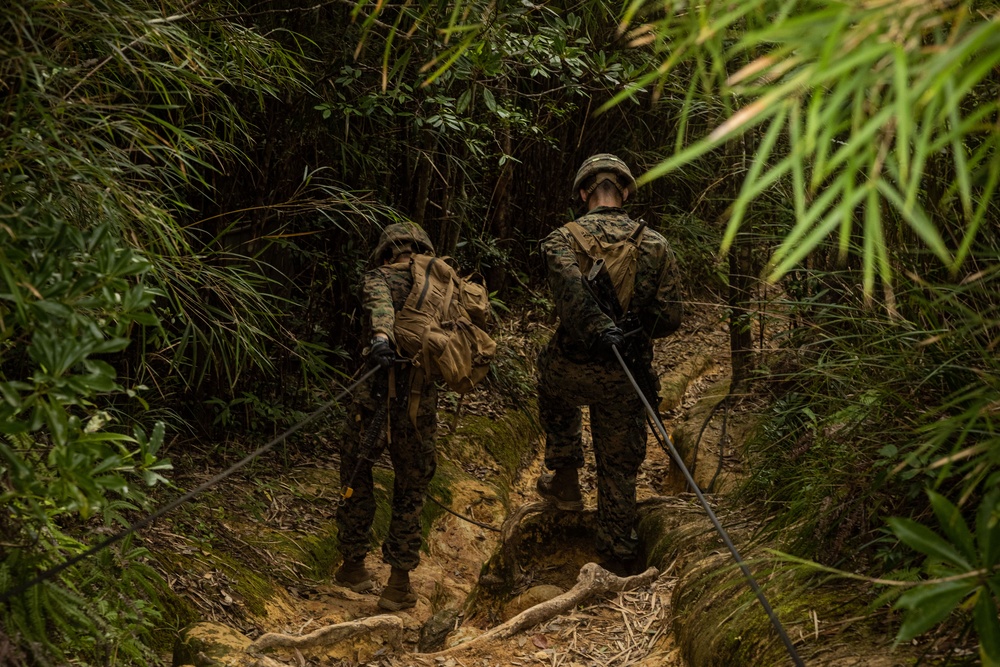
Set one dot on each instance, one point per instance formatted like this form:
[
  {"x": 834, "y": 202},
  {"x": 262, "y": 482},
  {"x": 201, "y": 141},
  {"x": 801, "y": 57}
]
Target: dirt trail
[{"x": 631, "y": 628}]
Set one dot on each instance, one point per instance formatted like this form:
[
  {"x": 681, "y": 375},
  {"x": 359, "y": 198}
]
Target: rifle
[
  {"x": 598, "y": 283},
  {"x": 380, "y": 389},
  {"x": 371, "y": 437}
]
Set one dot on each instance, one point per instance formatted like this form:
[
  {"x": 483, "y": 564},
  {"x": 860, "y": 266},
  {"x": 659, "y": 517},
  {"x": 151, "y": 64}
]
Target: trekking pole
[{"x": 711, "y": 515}]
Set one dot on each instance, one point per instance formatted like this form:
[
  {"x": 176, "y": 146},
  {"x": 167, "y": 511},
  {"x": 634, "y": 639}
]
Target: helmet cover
[
  {"x": 604, "y": 163},
  {"x": 402, "y": 237}
]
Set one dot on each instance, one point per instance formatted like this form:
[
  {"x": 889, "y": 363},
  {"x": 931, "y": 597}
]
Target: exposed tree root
[
  {"x": 513, "y": 522},
  {"x": 390, "y": 626},
  {"x": 592, "y": 580}
]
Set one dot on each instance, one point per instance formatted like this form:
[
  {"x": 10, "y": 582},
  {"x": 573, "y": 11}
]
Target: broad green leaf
[
  {"x": 988, "y": 529},
  {"x": 53, "y": 308},
  {"x": 489, "y": 100},
  {"x": 20, "y": 472},
  {"x": 888, "y": 451},
  {"x": 929, "y": 605},
  {"x": 987, "y": 627},
  {"x": 10, "y": 395},
  {"x": 927, "y": 542},
  {"x": 463, "y": 100},
  {"x": 58, "y": 422},
  {"x": 953, "y": 524}
]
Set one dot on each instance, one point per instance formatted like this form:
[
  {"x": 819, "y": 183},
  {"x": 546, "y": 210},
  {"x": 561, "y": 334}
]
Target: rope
[
  {"x": 169, "y": 507},
  {"x": 711, "y": 515},
  {"x": 463, "y": 518}
]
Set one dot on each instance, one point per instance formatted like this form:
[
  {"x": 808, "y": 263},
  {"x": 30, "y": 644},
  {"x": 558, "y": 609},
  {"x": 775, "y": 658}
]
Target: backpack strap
[
  {"x": 417, "y": 375},
  {"x": 584, "y": 239},
  {"x": 589, "y": 246}
]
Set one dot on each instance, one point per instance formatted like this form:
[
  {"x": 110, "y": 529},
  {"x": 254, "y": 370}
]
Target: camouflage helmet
[
  {"x": 604, "y": 163},
  {"x": 402, "y": 237}
]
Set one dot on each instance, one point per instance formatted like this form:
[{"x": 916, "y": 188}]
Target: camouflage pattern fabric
[
  {"x": 411, "y": 450},
  {"x": 413, "y": 457},
  {"x": 383, "y": 292},
  {"x": 571, "y": 376},
  {"x": 656, "y": 300}
]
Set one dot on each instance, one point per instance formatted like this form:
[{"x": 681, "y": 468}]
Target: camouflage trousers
[
  {"x": 618, "y": 429},
  {"x": 413, "y": 459}
]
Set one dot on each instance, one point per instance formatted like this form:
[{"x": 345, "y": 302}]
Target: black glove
[
  {"x": 380, "y": 353},
  {"x": 611, "y": 337},
  {"x": 630, "y": 323}
]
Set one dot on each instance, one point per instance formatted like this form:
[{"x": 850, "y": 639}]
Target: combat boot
[
  {"x": 562, "y": 489},
  {"x": 397, "y": 594},
  {"x": 352, "y": 573}
]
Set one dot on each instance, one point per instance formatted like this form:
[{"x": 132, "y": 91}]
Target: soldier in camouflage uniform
[
  {"x": 384, "y": 291},
  {"x": 577, "y": 367}
]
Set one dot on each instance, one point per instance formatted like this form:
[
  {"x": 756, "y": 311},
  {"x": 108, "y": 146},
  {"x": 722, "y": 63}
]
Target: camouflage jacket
[
  {"x": 657, "y": 298},
  {"x": 383, "y": 292}
]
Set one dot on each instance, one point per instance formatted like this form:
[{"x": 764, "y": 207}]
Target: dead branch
[
  {"x": 263, "y": 661},
  {"x": 592, "y": 580},
  {"x": 391, "y": 626}
]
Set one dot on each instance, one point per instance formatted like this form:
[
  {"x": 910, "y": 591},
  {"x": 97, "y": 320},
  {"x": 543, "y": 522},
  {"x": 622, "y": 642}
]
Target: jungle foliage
[
  {"x": 189, "y": 192},
  {"x": 872, "y": 133}
]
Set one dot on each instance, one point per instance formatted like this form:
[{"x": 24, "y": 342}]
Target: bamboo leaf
[
  {"x": 958, "y": 151},
  {"x": 795, "y": 139},
  {"x": 816, "y": 212},
  {"x": 903, "y": 113},
  {"x": 751, "y": 185},
  {"x": 918, "y": 220},
  {"x": 791, "y": 255}
]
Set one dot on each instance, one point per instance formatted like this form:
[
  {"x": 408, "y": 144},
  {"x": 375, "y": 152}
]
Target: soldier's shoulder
[
  {"x": 556, "y": 236},
  {"x": 654, "y": 239},
  {"x": 390, "y": 274}
]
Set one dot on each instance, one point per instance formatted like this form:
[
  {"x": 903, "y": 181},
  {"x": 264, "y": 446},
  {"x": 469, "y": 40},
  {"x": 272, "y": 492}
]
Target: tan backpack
[
  {"x": 621, "y": 259},
  {"x": 440, "y": 328}
]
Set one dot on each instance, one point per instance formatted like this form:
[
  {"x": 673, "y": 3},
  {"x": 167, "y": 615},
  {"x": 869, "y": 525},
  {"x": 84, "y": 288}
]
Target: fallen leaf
[{"x": 541, "y": 641}]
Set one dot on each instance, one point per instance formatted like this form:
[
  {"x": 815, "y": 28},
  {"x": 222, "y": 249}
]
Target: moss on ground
[
  {"x": 718, "y": 620},
  {"x": 508, "y": 440},
  {"x": 674, "y": 384}
]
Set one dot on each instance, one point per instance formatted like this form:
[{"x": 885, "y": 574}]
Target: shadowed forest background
[{"x": 189, "y": 193}]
